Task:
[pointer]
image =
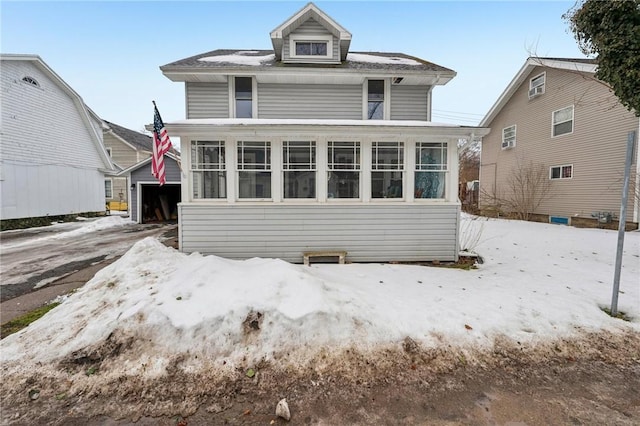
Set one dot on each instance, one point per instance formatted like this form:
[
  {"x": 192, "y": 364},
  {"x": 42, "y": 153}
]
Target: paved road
[{"x": 42, "y": 257}]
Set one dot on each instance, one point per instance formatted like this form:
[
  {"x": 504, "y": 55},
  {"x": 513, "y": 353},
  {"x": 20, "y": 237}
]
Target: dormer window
[
  {"x": 30, "y": 80},
  {"x": 311, "y": 46}
]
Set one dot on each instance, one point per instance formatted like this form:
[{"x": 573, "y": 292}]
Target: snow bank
[{"x": 539, "y": 282}]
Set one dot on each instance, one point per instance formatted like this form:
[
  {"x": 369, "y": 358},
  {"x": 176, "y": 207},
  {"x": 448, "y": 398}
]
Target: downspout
[{"x": 636, "y": 192}]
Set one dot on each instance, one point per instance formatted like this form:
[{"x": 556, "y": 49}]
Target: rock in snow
[{"x": 282, "y": 409}]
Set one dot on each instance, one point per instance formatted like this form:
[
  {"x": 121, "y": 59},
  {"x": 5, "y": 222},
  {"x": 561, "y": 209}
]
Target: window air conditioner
[{"x": 538, "y": 90}]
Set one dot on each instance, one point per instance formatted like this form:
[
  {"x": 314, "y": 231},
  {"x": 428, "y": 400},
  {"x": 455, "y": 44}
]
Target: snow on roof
[
  {"x": 242, "y": 57},
  {"x": 375, "y": 59},
  {"x": 539, "y": 283}
]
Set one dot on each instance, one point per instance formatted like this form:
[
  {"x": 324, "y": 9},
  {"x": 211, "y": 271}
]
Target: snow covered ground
[{"x": 538, "y": 283}]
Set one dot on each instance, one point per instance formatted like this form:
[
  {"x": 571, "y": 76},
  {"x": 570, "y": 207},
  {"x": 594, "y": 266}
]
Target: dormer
[{"x": 310, "y": 36}]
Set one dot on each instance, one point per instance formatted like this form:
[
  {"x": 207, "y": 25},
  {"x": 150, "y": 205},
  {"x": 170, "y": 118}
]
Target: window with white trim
[
  {"x": 561, "y": 172},
  {"x": 431, "y": 169},
  {"x": 387, "y": 167},
  {"x": 208, "y": 170},
  {"x": 310, "y": 46},
  {"x": 108, "y": 188},
  {"x": 563, "y": 121},
  {"x": 536, "y": 85},
  {"x": 375, "y": 99},
  {"x": 343, "y": 165},
  {"x": 509, "y": 137},
  {"x": 244, "y": 97},
  {"x": 254, "y": 169},
  {"x": 299, "y": 169}
]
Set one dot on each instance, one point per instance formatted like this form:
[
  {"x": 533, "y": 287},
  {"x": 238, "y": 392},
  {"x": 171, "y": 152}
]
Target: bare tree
[
  {"x": 468, "y": 171},
  {"x": 526, "y": 188}
]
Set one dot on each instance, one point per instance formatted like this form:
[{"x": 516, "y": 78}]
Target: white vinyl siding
[
  {"x": 409, "y": 102},
  {"x": 68, "y": 179},
  {"x": 310, "y": 101},
  {"x": 368, "y": 233},
  {"x": 207, "y": 100}
]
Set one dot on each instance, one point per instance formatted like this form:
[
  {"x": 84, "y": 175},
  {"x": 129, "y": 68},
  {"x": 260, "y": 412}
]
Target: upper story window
[
  {"x": 536, "y": 85},
  {"x": 254, "y": 169},
  {"x": 244, "y": 97},
  {"x": 299, "y": 169},
  {"x": 509, "y": 137},
  {"x": 30, "y": 80},
  {"x": 375, "y": 97},
  {"x": 108, "y": 151},
  {"x": 431, "y": 168},
  {"x": 208, "y": 169},
  {"x": 387, "y": 166},
  {"x": 310, "y": 46},
  {"x": 343, "y": 165},
  {"x": 563, "y": 121},
  {"x": 561, "y": 172}
]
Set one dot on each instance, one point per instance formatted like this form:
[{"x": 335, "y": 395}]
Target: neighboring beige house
[
  {"x": 555, "y": 113},
  {"x": 126, "y": 148}
]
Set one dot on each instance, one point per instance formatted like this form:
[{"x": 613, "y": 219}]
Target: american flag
[{"x": 161, "y": 145}]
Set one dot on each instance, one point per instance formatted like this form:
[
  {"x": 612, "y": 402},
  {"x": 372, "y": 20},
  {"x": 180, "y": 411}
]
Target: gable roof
[
  {"x": 310, "y": 11},
  {"x": 585, "y": 65},
  {"x": 84, "y": 112},
  {"x": 136, "y": 140},
  {"x": 173, "y": 155}
]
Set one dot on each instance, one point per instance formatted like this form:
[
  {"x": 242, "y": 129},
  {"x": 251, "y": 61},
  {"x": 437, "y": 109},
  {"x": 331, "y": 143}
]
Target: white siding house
[
  {"x": 311, "y": 147},
  {"x": 52, "y": 161}
]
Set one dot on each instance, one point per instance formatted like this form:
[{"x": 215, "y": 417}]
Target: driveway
[{"x": 40, "y": 258}]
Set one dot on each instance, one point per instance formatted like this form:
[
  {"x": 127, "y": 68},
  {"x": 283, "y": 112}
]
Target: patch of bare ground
[{"x": 590, "y": 380}]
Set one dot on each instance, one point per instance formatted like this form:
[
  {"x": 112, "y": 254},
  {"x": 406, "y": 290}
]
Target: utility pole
[{"x": 631, "y": 137}]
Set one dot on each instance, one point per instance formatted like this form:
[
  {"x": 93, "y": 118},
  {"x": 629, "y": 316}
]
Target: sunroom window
[
  {"x": 387, "y": 166},
  {"x": 431, "y": 169},
  {"x": 343, "y": 164},
  {"x": 299, "y": 169},
  {"x": 108, "y": 188},
  {"x": 254, "y": 169},
  {"x": 208, "y": 169}
]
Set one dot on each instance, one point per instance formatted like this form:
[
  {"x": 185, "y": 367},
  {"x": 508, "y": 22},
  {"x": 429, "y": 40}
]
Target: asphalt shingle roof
[
  {"x": 139, "y": 140},
  {"x": 195, "y": 62}
]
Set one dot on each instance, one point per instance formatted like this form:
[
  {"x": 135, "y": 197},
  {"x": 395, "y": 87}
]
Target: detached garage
[{"x": 150, "y": 202}]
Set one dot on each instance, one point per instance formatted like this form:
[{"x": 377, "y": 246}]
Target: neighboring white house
[
  {"x": 311, "y": 147},
  {"x": 557, "y": 115},
  {"x": 52, "y": 160}
]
